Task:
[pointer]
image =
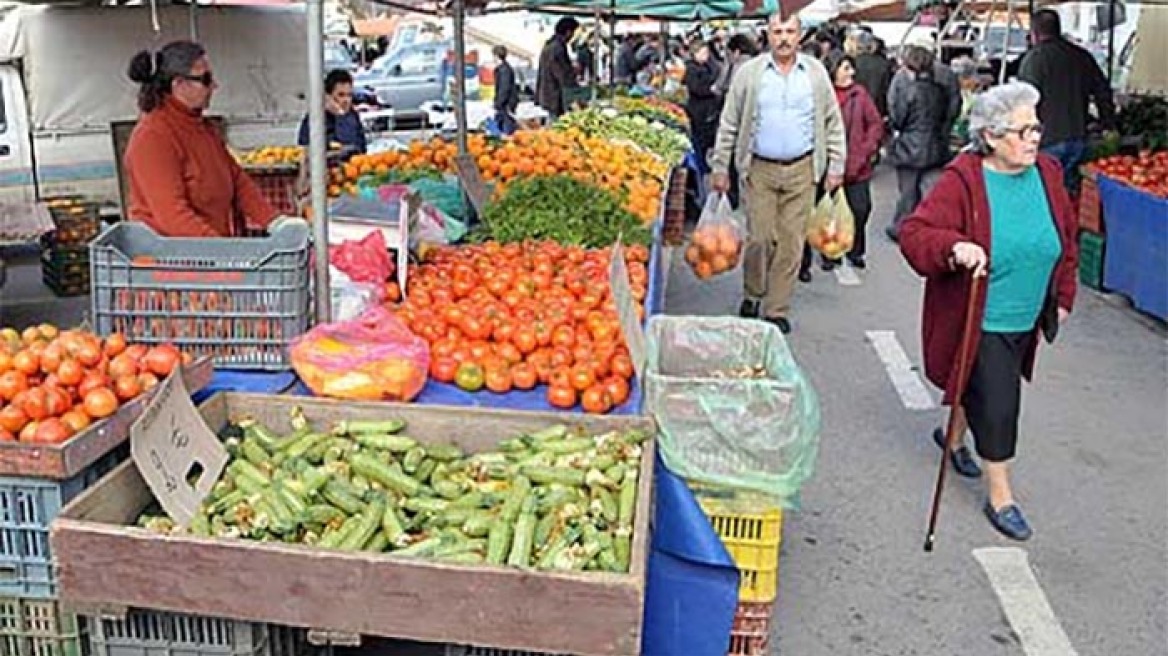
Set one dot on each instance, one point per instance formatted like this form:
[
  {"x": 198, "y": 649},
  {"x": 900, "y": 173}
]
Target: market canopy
[{"x": 676, "y": 10}]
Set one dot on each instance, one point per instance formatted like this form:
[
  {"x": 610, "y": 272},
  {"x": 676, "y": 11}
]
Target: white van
[{"x": 63, "y": 81}]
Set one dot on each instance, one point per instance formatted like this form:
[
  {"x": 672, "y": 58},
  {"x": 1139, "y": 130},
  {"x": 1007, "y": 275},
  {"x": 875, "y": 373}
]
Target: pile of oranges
[
  {"x": 54, "y": 383},
  {"x": 616, "y": 167},
  {"x": 522, "y": 315},
  {"x": 713, "y": 249}
]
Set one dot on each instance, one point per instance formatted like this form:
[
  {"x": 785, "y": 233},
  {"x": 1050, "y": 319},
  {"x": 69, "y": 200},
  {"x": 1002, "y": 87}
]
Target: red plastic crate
[
  {"x": 279, "y": 188},
  {"x": 751, "y": 633},
  {"x": 1090, "y": 206}
]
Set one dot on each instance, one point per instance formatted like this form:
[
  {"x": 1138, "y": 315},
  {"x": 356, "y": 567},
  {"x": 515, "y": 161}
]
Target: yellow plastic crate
[{"x": 751, "y": 527}]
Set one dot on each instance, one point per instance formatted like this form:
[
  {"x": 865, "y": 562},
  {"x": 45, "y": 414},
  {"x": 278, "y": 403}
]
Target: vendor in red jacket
[
  {"x": 183, "y": 181},
  {"x": 1000, "y": 212}
]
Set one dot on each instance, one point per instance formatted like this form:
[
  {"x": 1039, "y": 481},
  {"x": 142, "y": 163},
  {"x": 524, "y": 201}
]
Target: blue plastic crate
[
  {"x": 27, "y": 507},
  {"x": 1137, "y": 246}
]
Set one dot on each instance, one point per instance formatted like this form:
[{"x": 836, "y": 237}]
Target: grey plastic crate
[
  {"x": 153, "y": 633},
  {"x": 466, "y": 650},
  {"x": 241, "y": 301},
  {"x": 36, "y": 628},
  {"x": 27, "y": 507}
]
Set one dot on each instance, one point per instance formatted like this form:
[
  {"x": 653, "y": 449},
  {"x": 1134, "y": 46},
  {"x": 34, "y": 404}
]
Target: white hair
[
  {"x": 992, "y": 109},
  {"x": 778, "y": 17}
]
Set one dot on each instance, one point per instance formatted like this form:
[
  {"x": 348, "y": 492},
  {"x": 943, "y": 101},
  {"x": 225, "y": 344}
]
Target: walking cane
[{"x": 964, "y": 358}]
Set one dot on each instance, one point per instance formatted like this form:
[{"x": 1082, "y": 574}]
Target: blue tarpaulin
[{"x": 1136, "y": 263}]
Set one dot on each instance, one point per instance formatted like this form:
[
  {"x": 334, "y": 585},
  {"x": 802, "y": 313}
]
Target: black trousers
[
  {"x": 859, "y": 195},
  {"x": 993, "y": 397}
]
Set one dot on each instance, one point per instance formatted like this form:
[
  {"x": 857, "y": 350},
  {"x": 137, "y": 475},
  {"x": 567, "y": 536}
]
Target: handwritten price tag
[
  {"x": 626, "y": 310},
  {"x": 179, "y": 457}
]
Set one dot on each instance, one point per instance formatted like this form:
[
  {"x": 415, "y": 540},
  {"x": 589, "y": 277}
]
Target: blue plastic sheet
[
  {"x": 252, "y": 382},
  {"x": 1136, "y": 262},
  {"x": 692, "y": 590}
]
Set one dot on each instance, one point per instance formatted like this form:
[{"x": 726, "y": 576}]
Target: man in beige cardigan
[{"x": 782, "y": 125}]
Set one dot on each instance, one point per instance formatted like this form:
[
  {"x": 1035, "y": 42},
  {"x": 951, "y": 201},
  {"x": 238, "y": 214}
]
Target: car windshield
[{"x": 995, "y": 35}]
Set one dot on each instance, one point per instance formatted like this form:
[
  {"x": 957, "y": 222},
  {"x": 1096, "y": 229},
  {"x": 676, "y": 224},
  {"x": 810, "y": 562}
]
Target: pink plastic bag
[
  {"x": 374, "y": 357},
  {"x": 366, "y": 260}
]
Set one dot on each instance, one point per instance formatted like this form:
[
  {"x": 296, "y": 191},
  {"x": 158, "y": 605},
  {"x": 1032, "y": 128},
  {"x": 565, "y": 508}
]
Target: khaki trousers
[{"x": 779, "y": 200}]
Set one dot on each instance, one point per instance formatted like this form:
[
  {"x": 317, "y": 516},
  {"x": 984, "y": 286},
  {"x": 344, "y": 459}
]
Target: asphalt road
[{"x": 1092, "y": 474}]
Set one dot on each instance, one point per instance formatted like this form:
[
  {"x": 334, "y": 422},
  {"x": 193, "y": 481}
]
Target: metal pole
[
  {"x": 594, "y": 74},
  {"x": 316, "y": 157},
  {"x": 1006, "y": 41},
  {"x": 1110, "y": 39},
  {"x": 612, "y": 52},
  {"x": 459, "y": 9},
  {"x": 194, "y": 20}
]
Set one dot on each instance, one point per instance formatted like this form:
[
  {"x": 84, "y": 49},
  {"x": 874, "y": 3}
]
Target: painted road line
[
  {"x": 846, "y": 276},
  {"x": 901, "y": 372},
  {"x": 1025, "y": 604}
]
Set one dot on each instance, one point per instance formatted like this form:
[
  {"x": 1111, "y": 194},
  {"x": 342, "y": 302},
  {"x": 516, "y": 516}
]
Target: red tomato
[{"x": 561, "y": 397}]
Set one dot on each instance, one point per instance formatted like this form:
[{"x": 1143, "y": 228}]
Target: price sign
[
  {"x": 626, "y": 310},
  {"x": 179, "y": 457},
  {"x": 472, "y": 181}
]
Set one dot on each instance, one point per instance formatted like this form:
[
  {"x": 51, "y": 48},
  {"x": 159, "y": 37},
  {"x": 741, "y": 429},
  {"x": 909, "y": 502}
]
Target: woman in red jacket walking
[
  {"x": 865, "y": 130},
  {"x": 1001, "y": 212}
]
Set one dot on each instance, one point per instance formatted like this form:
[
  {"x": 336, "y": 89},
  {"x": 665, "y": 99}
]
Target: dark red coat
[
  {"x": 865, "y": 131},
  {"x": 956, "y": 210}
]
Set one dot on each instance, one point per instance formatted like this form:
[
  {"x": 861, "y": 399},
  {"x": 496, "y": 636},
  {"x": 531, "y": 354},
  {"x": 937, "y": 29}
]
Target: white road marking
[
  {"x": 1025, "y": 604},
  {"x": 905, "y": 379},
  {"x": 846, "y": 276}
]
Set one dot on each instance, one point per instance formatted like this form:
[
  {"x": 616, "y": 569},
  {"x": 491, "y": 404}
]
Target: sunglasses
[
  {"x": 206, "y": 79},
  {"x": 1026, "y": 131}
]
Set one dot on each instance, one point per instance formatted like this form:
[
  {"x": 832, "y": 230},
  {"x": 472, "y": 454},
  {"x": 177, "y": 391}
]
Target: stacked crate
[
  {"x": 1092, "y": 239},
  {"x": 751, "y": 528},
  {"x": 65, "y": 251},
  {"x": 673, "y": 230},
  {"x": 31, "y": 621}
]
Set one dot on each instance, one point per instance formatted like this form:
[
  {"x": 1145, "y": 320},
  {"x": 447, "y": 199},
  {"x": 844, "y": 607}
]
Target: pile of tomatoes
[
  {"x": 54, "y": 383},
  {"x": 1147, "y": 172},
  {"x": 516, "y": 316}
]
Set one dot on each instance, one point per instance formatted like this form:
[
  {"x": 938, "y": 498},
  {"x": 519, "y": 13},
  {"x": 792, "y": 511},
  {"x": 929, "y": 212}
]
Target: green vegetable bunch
[
  {"x": 564, "y": 210},
  {"x": 656, "y": 137},
  {"x": 556, "y": 499}
]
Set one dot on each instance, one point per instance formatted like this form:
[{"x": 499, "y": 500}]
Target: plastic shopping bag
[
  {"x": 716, "y": 244},
  {"x": 365, "y": 260},
  {"x": 374, "y": 357},
  {"x": 832, "y": 229}
]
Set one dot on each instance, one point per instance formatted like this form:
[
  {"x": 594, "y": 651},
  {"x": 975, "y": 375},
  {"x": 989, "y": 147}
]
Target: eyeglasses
[
  {"x": 206, "y": 79},
  {"x": 1026, "y": 131}
]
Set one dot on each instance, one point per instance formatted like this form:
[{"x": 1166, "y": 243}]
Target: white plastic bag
[
  {"x": 716, "y": 244},
  {"x": 832, "y": 228}
]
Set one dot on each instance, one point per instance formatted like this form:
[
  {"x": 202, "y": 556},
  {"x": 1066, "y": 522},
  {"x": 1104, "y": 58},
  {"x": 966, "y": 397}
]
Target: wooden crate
[
  {"x": 66, "y": 460},
  {"x": 105, "y": 564}
]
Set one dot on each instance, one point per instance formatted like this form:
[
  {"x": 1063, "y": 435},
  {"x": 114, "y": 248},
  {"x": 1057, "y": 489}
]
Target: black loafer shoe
[
  {"x": 1009, "y": 521},
  {"x": 804, "y": 275},
  {"x": 748, "y": 309},
  {"x": 781, "y": 323},
  {"x": 828, "y": 265},
  {"x": 961, "y": 457},
  {"x": 857, "y": 262}
]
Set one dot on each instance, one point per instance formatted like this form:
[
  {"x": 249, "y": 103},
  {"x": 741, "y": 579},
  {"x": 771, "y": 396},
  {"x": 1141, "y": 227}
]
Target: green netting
[{"x": 759, "y": 434}]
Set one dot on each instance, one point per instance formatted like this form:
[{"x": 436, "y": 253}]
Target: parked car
[
  {"x": 337, "y": 57},
  {"x": 413, "y": 75}
]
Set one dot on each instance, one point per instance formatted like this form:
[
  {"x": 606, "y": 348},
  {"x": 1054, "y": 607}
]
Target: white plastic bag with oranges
[
  {"x": 832, "y": 228},
  {"x": 716, "y": 244}
]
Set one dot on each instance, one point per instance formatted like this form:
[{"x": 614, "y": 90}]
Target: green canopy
[{"x": 676, "y": 10}]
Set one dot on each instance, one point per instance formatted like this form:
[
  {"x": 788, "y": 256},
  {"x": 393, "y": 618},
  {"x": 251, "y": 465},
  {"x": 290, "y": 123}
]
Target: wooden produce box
[
  {"x": 66, "y": 460},
  {"x": 106, "y": 565}
]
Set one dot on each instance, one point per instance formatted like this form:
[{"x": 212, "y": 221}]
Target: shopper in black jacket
[
  {"x": 921, "y": 119},
  {"x": 506, "y": 92},
  {"x": 873, "y": 71},
  {"x": 703, "y": 104},
  {"x": 1068, "y": 79}
]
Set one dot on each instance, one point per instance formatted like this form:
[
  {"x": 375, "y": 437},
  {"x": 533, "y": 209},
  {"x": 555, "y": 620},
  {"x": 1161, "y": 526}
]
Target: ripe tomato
[
  {"x": 148, "y": 381},
  {"x": 123, "y": 365},
  {"x": 561, "y": 376},
  {"x": 35, "y": 404},
  {"x": 88, "y": 353},
  {"x": 100, "y": 403},
  {"x": 523, "y": 376},
  {"x": 7, "y": 436},
  {"x": 443, "y": 369},
  {"x": 160, "y": 360},
  {"x": 499, "y": 380},
  {"x": 51, "y": 358},
  {"x": 114, "y": 345},
  {"x": 92, "y": 381},
  {"x": 564, "y": 336},
  {"x": 57, "y": 400},
  {"x": 12, "y": 418},
  {"x": 52, "y": 431},
  {"x": 28, "y": 433},
  {"x": 618, "y": 389},
  {"x": 70, "y": 373},
  {"x": 525, "y": 340},
  {"x": 561, "y": 397},
  {"x": 622, "y": 365},
  {"x": 596, "y": 400},
  {"x": 582, "y": 377},
  {"x": 12, "y": 383},
  {"x": 26, "y": 363},
  {"x": 127, "y": 387},
  {"x": 76, "y": 420}
]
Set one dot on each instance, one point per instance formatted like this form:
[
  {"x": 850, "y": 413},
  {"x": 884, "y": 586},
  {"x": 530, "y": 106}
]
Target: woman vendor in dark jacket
[{"x": 1000, "y": 212}]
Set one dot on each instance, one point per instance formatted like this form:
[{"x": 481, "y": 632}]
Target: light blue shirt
[{"x": 785, "y": 118}]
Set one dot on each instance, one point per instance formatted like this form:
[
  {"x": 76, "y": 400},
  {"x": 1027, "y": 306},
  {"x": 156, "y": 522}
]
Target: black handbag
[{"x": 1048, "y": 320}]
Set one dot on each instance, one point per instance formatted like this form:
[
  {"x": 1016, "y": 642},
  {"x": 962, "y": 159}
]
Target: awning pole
[
  {"x": 612, "y": 50},
  {"x": 459, "y": 10},
  {"x": 1110, "y": 39},
  {"x": 594, "y": 74},
  {"x": 316, "y": 157}
]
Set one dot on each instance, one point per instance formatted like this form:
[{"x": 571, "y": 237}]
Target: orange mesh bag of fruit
[
  {"x": 832, "y": 228},
  {"x": 374, "y": 357},
  {"x": 716, "y": 244}
]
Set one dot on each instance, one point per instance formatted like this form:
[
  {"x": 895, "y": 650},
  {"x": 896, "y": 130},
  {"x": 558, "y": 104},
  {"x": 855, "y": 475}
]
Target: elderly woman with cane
[{"x": 998, "y": 212}]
